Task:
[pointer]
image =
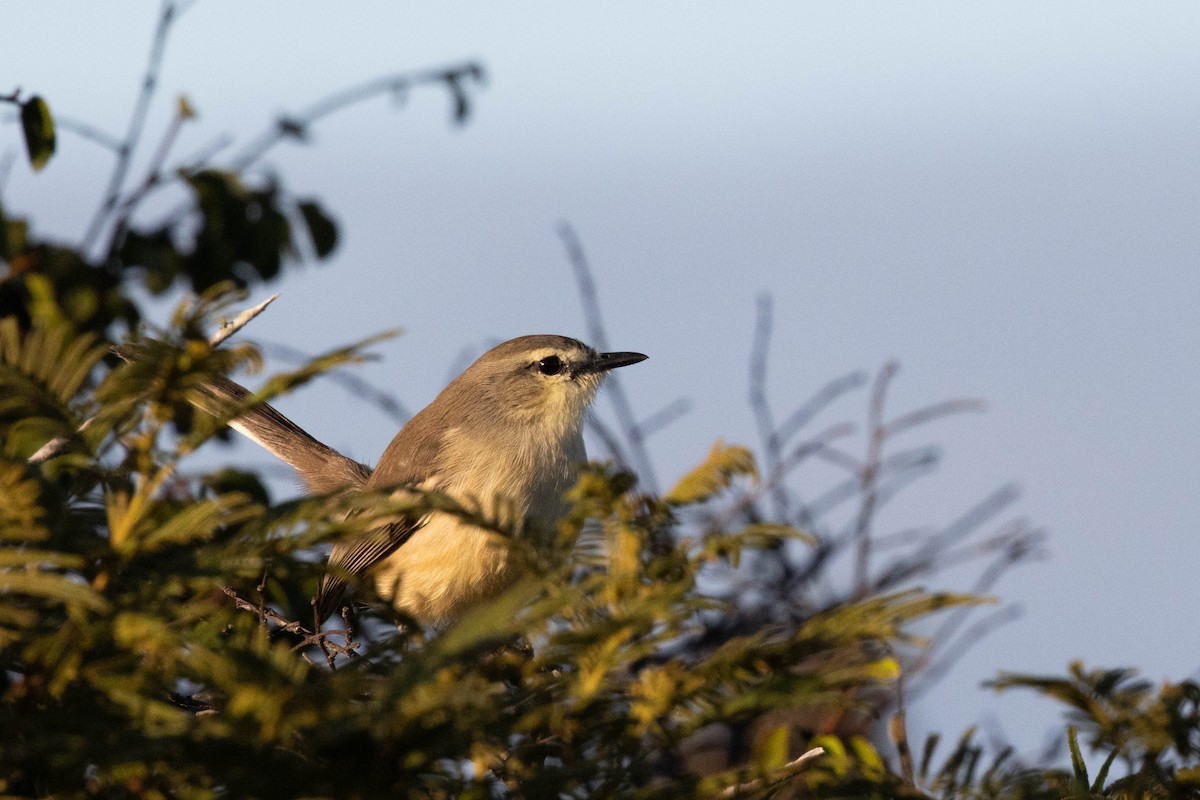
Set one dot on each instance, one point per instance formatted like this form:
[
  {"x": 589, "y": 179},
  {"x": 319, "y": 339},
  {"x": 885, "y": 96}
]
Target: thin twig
[
  {"x": 626, "y": 420},
  {"x": 268, "y": 616},
  {"x": 205, "y": 153},
  {"x": 137, "y": 124},
  {"x": 934, "y": 669},
  {"x": 664, "y": 417},
  {"x": 296, "y": 126},
  {"x": 929, "y": 413},
  {"x": 230, "y": 327},
  {"x": 361, "y": 389},
  {"x": 1016, "y": 546},
  {"x": 780, "y": 471},
  {"x": 612, "y": 442},
  {"x": 971, "y": 520},
  {"x": 7, "y": 159},
  {"x": 895, "y": 473},
  {"x": 58, "y": 444},
  {"x": 760, "y": 406},
  {"x": 877, "y": 433},
  {"x": 153, "y": 180},
  {"x": 783, "y": 773},
  {"x": 88, "y": 132},
  {"x": 818, "y": 403}
]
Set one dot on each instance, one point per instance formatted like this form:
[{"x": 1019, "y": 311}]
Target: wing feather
[{"x": 351, "y": 559}]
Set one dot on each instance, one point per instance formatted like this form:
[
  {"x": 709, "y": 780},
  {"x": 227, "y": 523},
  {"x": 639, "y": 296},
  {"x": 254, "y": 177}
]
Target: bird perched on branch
[{"x": 509, "y": 428}]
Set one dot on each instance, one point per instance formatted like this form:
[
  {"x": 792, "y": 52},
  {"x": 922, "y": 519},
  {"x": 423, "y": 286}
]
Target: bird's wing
[
  {"x": 407, "y": 462},
  {"x": 351, "y": 559}
]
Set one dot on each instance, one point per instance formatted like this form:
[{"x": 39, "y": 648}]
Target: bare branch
[
  {"x": 230, "y": 327},
  {"x": 826, "y": 395},
  {"x": 923, "y": 415},
  {"x": 975, "y": 517},
  {"x": 268, "y": 616},
  {"x": 206, "y": 153},
  {"x": 363, "y": 390},
  {"x": 153, "y": 180},
  {"x": 780, "y": 471},
  {"x": 760, "y": 405},
  {"x": 296, "y": 126},
  {"x": 664, "y": 417},
  {"x": 953, "y": 652},
  {"x": 778, "y": 776},
  {"x": 89, "y": 132},
  {"x": 50, "y": 449},
  {"x": 58, "y": 444},
  {"x": 626, "y": 420},
  {"x": 869, "y": 478},
  {"x": 610, "y": 439},
  {"x": 841, "y": 458},
  {"x": 137, "y": 123},
  {"x": 895, "y": 474},
  {"x": 7, "y": 159}
]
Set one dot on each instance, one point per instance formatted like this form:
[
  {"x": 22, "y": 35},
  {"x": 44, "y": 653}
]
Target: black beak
[{"x": 606, "y": 361}]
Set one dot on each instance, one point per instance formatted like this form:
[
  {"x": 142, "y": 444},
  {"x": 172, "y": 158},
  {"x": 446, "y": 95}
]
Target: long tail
[{"x": 322, "y": 468}]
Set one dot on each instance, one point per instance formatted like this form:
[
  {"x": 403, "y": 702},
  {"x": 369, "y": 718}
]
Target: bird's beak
[{"x": 606, "y": 361}]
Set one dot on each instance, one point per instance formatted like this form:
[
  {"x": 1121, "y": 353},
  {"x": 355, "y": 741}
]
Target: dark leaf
[
  {"x": 154, "y": 252},
  {"x": 321, "y": 229},
  {"x": 38, "y": 126}
]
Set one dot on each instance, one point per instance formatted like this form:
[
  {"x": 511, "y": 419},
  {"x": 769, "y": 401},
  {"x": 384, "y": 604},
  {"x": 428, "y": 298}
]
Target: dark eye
[{"x": 550, "y": 365}]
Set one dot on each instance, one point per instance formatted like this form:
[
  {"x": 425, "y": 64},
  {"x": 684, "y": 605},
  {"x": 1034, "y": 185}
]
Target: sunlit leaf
[
  {"x": 184, "y": 108},
  {"x": 724, "y": 463},
  {"x": 771, "y": 750}
]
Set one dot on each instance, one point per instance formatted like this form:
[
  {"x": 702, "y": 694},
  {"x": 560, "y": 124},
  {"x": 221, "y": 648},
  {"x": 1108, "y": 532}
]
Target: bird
[{"x": 507, "y": 431}]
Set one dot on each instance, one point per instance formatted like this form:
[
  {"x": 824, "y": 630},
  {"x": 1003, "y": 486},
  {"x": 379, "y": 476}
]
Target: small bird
[{"x": 508, "y": 430}]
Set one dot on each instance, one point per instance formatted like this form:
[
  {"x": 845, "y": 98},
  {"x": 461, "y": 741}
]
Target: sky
[{"x": 1002, "y": 197}]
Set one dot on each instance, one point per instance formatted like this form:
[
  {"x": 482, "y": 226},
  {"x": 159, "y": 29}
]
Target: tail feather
[{"x": 322, "y": 468}]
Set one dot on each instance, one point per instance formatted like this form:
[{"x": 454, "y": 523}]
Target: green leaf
[
  {"x": 771, "y": 751},
  {"x": 1102, "y": 777},
  {"x": 38, "y": 126},
  {"x": 724, "y": 463},
  {"x": 14, "y": 235},
  {"x": 931, "y": 743},
  {"x": 1077, "y": 762},
  {"x": 155, "y": 252},
  {"x": 197, "y": 522},
  {"x": 321, "y": 229},
  {"x": 51, "y": 587},
  {"x": 768, "y": 534}
]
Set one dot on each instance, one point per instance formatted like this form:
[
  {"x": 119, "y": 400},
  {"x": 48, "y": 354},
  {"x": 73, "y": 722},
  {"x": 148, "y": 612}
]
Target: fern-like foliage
[{"x": 118, "y": 573}]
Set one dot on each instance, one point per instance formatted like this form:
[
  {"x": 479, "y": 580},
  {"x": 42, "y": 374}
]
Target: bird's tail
[{"x": 322, "y": 468}]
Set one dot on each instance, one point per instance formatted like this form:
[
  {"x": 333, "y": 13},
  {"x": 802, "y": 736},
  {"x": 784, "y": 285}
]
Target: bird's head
[{"x": 542, "y": 379}]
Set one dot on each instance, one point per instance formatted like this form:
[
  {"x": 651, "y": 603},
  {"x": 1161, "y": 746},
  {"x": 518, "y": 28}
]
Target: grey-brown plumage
[
  {"x": 508, "y": 428},
  {"x": 322, "y": 468}
]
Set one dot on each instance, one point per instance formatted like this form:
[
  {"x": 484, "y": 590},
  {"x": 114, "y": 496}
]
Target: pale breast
[{"x": 447, "y": 565}]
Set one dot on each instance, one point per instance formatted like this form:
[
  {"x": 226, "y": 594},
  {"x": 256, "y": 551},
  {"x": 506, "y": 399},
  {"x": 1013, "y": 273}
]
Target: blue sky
[{"x": 1002, "y": 197}]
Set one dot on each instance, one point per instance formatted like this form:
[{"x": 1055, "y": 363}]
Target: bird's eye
[{"x": 550, "y": 365}]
